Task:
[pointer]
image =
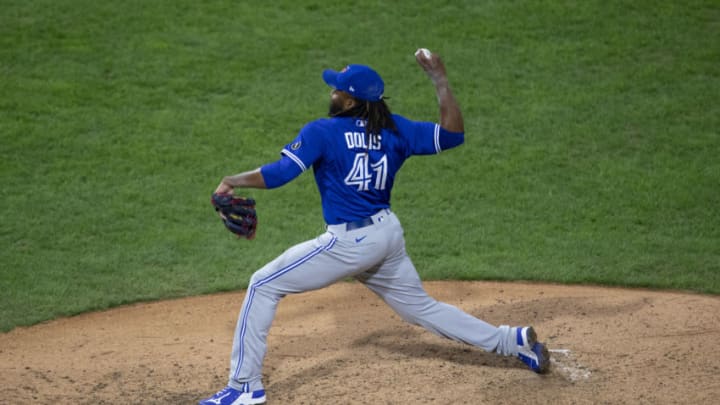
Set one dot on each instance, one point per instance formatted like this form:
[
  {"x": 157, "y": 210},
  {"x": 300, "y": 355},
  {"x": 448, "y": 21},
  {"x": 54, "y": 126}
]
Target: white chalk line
[{"x": 568, "y": 366}]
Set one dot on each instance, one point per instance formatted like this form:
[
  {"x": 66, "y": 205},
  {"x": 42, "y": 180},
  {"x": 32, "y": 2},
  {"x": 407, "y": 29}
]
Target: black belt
[{"x": 360, "y": 223}]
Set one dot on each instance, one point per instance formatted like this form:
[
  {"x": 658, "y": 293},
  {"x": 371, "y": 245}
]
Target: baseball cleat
[
  {"x": 231, "y": 396},
  {"x": 533, "y": 353}
]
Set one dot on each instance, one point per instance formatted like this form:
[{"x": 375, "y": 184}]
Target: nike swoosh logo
[{"x": 358, "y": 240}]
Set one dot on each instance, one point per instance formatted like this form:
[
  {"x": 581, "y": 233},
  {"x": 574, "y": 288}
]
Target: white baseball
[{"x": 426, "y": 52}]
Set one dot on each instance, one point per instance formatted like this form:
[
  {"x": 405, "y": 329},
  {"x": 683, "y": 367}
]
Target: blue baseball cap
[{"x": 358, "y": 80}]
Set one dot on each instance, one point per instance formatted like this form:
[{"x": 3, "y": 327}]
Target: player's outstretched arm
[
  {"x": 271, "y": 175},
  {"x": 450, "y": 115},
  {"x": 249, "y": 179}
]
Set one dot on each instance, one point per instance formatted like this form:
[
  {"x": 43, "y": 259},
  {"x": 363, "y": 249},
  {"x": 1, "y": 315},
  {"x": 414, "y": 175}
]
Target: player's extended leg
[{"x": 397, "y": 283}]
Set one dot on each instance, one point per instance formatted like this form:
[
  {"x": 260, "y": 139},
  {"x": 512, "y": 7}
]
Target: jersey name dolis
[{"x": 357, "y": 140}]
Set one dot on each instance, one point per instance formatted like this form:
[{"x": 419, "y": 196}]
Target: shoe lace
[{"x": 222, "y": 392}]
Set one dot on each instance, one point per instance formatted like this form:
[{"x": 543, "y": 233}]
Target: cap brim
[{"x": 330, "y": 77}]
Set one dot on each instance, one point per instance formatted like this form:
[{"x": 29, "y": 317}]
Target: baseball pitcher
[{"x": 354, "y": 154}]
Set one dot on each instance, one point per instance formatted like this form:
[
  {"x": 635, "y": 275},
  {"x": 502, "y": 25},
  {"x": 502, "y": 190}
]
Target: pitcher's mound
[{"x": 342, "y": 345}]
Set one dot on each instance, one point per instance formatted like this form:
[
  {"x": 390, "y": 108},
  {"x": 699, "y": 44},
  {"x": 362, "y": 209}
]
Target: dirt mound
[{"x": 342, "y": 345}]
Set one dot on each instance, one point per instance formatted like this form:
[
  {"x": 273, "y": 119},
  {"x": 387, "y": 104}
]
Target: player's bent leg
[
  {"x": 307, "y": 266},
  {"x": 258, "y": 311}
]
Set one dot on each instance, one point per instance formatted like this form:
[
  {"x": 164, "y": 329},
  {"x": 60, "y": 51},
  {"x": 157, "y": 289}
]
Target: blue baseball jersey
[{"x": 355, "y": 175}]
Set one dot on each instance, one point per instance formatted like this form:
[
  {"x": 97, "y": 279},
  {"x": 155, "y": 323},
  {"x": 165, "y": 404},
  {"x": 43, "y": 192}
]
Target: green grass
[{"x": 591, "y": 155}]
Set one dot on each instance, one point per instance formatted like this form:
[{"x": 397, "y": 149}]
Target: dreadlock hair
[{"x": 375, "y": 113}]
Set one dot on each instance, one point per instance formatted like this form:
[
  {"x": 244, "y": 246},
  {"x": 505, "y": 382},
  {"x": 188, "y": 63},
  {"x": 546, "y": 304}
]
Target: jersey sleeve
[
  {"x": 427, "y": 138},
  {"x": 306, "y": 148},
  {"x": 279, "y": 173}
]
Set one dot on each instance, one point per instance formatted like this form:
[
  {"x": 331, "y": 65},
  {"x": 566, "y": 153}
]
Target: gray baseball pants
[{"x": 374, "y": 255}]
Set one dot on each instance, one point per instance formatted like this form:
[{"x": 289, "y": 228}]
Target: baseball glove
[{"x": 237, "y": 213}]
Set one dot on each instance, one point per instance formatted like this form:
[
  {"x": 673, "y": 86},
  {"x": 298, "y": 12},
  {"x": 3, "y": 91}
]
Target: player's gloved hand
[{"x": 237, "y": 213}]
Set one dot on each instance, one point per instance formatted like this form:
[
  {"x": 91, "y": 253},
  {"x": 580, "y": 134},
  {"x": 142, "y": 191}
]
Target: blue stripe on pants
[{"x": 254, "y": 286}]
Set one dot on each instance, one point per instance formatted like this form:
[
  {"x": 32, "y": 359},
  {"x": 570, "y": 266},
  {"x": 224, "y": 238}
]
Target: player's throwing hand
[{"x": 431, "y": 64}]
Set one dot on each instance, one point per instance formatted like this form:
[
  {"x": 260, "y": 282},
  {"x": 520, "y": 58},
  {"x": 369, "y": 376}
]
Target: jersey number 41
[{"x": 362, "y": 172}]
